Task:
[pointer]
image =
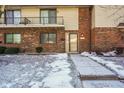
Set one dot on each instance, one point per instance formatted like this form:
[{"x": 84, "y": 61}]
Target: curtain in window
[
  {"x": 44, "y": 17},
  {"x": 48, "y": 16},
  {"x": 16, "y": 38},
  {"x": 9, "y": 17},
  {"x": 52, "y": 38},
  {"x": 48, "y": 38},
  {"x": 52, "y": 17},
  {"x": 13, "y": 17},
  {"x": 13, "y": 38},
  {"x": 17, "y": 17},
  {"x": 44, "y": 38}
]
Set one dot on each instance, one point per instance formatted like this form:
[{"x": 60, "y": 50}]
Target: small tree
[
  {"x": 2, "y": 7},
  {"x": 117, "y": 14}
]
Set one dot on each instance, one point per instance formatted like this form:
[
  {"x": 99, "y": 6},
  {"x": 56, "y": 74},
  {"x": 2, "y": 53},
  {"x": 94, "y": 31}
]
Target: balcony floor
[{"x": 31, "y": 25}]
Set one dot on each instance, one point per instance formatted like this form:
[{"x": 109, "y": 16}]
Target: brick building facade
[{"x": 88, "y": 38}]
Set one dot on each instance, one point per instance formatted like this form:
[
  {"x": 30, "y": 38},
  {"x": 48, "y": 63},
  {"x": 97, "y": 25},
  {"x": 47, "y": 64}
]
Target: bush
[
  {"x": 2, "y": 49},
  {"x": 12, "y": 50},
  {"x": 39, "y": 49},
  {"x": 119, "y": 51}
]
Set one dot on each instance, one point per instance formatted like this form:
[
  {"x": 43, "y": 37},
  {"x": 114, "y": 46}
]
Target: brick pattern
[
  {"x": 84, "y": 28},
  {"x": 31, "y": 35},
  {"x": 30, "y": 38},
  {"x": 105, "y": 38}
]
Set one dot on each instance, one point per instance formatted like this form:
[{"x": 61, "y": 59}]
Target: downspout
[{"x": 90, "y": 31}]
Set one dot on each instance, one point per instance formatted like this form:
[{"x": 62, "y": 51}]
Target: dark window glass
[
  {"x": 52, "y": 38},
  {"x": 44, "y": 38},
  {"x": 48, "y": 38}
]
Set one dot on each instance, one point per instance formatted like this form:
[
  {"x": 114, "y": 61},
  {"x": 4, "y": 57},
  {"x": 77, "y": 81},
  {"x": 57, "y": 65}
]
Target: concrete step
[{"x": 93, "y": 77}]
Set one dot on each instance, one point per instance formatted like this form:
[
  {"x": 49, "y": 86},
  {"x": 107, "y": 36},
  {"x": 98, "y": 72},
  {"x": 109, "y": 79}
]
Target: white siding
[
  {"x": 103, "y": 16},
  {"x": 70, "y": 16}
]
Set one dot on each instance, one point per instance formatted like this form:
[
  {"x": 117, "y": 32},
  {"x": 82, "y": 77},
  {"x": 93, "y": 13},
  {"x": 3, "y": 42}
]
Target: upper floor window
[
  {"x": 48, "y": 16},
  {"x": 12, "y": 16},
  {"x": 12, "y": 38}
]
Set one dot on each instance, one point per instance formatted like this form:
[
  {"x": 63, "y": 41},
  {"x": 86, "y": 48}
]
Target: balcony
[{"x": 32, "y": 22}]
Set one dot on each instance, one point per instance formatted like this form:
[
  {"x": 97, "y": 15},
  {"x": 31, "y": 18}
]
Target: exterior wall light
[{"x": 82, "y": 37}]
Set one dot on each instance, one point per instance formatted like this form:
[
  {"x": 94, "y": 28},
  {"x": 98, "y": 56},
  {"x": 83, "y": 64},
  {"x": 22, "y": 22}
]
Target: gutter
[{"x": 90, "y": 31}]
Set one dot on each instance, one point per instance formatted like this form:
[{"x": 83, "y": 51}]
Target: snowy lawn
[{"x": 36, "y": 71}]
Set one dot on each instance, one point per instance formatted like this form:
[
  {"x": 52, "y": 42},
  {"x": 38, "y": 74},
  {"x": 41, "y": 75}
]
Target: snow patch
[
  {"x": 58, "y": 79},
  {"x": 59, "y": 75},
  {"x": 110, "y": 53},
  {"x": 88, "y": 54},
  {"x": 35, "y": 71}
]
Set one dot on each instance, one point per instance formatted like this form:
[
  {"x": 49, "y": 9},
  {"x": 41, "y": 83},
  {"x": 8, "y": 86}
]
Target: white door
[{"x": 73, "y": 42}]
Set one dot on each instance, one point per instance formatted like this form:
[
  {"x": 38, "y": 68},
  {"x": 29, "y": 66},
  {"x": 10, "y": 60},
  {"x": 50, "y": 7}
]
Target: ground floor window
[
  {"x": 12, "y": 38},
  {"x": 48, "y": 38}
]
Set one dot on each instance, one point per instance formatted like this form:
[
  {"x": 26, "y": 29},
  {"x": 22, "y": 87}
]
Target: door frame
[{"x": 70, "y": 42}]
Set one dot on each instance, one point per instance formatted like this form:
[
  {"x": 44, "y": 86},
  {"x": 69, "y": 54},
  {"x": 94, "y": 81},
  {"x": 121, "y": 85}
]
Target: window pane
[
  {"x": 44, "y": 38},
  {"x": 17, "y": 16},
  {"x": 52, "y": 16},
  {"x": 48, "y": 16},
  {"x": 9, "y": 38},
  {"x": 44, "y": 17},
  {"x": 13, "y": 17},
  {"x": 9, "y": 17},
  {"x": 17, "y": 38},
  {"x": 52, "y": 38}
]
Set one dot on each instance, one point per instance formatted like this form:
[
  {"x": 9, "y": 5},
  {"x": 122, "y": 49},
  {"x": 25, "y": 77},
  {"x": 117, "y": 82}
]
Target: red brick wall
[
  {"x": 30, "y": 38},
  {"x": 105, "y": 38},
  {"x": 84, "y": 28}
]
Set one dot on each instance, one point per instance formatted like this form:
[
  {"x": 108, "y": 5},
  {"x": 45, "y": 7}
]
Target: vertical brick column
[{"x": 84, "y": 28}]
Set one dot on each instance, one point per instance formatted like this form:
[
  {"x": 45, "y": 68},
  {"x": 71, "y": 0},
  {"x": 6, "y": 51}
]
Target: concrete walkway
[
  {"x": 90, "y": 70},
  {"x": 94, "y": 75}
]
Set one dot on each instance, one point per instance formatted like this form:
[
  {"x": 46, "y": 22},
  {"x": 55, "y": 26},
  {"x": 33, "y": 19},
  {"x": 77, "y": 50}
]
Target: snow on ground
[
  {"x": 102, "y": 84},
  {"x": 110, "y": 53},
  {"x": 36, "y": 71},
  {"x": 87, "y": 67},
  {"x": 59, "y": 73},
  {"x": 118, "y": 69},
  {"x": 88, "y": 54},
  {"x": 116, "y": 60}
]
